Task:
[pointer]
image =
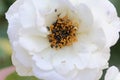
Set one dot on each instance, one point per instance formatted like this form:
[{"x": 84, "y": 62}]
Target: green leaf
[{"x": 14, "y": 76}]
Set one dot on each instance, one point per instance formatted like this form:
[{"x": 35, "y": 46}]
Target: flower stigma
[{"x": 62, "y": 33}]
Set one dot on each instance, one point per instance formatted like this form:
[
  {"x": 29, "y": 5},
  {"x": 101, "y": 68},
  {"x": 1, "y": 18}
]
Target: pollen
[{"x": 62, "y": 33}]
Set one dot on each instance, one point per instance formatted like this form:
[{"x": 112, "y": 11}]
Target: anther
[
  {"x": 55, "y": 10},
  {"x": 62, "y": 33},
  {"x": 48, "y": 28}
]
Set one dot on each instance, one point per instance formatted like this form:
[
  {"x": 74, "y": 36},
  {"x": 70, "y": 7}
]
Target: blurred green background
[{"x": 5, "y": 49}]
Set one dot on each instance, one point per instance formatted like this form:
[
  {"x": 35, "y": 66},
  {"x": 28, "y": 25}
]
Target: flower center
[{"x": 62, "y": 33}]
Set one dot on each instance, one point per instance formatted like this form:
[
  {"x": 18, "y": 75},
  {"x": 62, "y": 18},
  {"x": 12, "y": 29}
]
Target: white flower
[
  {"x": 62, "y": 39},
  {"x": 112, "y": 74}
]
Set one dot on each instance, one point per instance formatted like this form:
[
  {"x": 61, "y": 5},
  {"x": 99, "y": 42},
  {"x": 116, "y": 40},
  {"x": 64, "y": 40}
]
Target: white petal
[
  {"x": 65, "y": 61},
  {"x": 27, "y": 14},
  {"x": 62, "y": 61},
  {"x": 22, "y": 55},
  {"x": 13, "y": 9},
  {"x": 43, "y": 31},
  {"x": 111, "y": 73},
  {"x": 30, "y": 32},
  {"x": 96, "y": 36},
  {"x": 34, "y": 44},
  {"x": 116, "y": 23},
  {"x": 99, "y": 59},
  {"x": 91, "y": 55},
  {"x": 47, "y": 75},
  {"x": 84, "y": 61},
  {"x": 48, "y": 6},
  {"x": 111, "y": 33},
  {"x": 41, "y": 24},
  {"x": 71, "y": 75},
  {"x": 82, "y": 45},
  {"x": 43, "y": 59},
  {"x": 118, "y": 77},
  {"x": 85, "y": 17},
  {"x": 14, "y": 27},
  {"x": 105, "y": 8},
  {"x": 89, "y": 74},
  {"x": 105, "y": 15},
  {"x": 92, "y": 39},
  {"x": 20, "y": 68},
  {"x": 111, "y": 30},
  {"x": 63, "y": 65}
]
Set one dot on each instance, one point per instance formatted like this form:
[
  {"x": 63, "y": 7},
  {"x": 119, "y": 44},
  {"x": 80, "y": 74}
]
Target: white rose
[
  {"x": 62, "y": 39},
  {"x": 113, "y": 73}
]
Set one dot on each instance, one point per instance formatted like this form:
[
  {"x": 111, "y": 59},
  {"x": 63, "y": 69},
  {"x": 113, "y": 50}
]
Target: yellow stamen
[{"x": 62, "y": 33}]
